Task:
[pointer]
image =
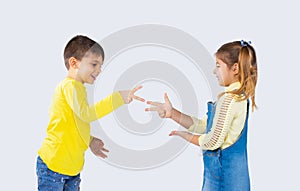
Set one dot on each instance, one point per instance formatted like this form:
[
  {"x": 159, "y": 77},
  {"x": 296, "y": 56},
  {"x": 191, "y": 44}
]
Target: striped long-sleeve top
[{"x": 227, "y": 124}]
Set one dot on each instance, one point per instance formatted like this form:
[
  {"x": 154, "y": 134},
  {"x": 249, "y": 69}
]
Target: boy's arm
[
  {"x": 107, "y": 105},
  {"x": 114, "y": 101},
  {"x": 77, "y": 99}
]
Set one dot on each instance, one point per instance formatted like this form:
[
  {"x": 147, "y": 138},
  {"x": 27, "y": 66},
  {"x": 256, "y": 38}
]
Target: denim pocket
[{"x": 212, "y": 166}]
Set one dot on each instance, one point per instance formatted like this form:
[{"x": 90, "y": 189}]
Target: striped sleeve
[{"x": 221, "y": 124}]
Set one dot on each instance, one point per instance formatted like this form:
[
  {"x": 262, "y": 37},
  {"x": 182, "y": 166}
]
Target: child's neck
[{"x": 73, "y": 75}]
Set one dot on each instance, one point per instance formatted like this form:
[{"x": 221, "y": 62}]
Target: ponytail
[{"x": 243, "y": 53}]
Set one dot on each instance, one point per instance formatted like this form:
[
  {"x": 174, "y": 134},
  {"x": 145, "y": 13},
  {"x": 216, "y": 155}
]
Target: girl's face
[{"x": 225, "y": 75}]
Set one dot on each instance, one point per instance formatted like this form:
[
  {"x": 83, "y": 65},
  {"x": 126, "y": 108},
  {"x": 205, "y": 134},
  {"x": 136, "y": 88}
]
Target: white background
[{"x": 33, "y": 35}]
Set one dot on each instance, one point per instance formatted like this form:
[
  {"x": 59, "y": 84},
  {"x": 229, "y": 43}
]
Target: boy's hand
[
  {"x": 97, "y": 148},
  {"x": 164, "y": 110},
  {"x": 128, "y": 95}
]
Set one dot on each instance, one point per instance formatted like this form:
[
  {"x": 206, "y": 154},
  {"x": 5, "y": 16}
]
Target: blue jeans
[{"x": 49, "y": 180}]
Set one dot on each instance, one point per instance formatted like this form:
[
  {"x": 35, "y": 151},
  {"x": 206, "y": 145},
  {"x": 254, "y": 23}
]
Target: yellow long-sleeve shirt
[
  {"x": 68, "y": 132},
  {"x": 228, "y": 122}
]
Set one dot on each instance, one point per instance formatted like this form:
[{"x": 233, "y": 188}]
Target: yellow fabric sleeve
[
  {"x": 76, "y": 98},
  {"x": 199, "y": 125}
]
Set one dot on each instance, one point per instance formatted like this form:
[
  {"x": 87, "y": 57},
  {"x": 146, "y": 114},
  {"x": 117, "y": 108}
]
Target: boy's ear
[
  {"x": 235, "y": 68},
  {"x": 73, "y": 63}
]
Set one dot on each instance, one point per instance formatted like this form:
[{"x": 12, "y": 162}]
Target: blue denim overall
[{"x": 227, "y": 169}]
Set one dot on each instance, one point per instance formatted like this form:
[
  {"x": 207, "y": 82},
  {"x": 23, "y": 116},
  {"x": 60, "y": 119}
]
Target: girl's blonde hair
[{"x": 243, "y": 53}]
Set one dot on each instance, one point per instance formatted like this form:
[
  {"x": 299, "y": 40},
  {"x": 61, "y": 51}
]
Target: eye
[{"x": 94, "y": 65}]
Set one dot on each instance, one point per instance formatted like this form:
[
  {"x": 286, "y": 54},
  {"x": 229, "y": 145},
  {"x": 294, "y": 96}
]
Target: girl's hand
[
  {"x": 178, "y": 133},
  {"x": 129, "y": 95},
  {"x": 97, "y": 147},
  {"x": 164, "y": 110}
]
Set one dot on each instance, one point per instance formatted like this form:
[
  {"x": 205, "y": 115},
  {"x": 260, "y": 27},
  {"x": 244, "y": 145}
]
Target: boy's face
[{"x": 89, "y": 68}]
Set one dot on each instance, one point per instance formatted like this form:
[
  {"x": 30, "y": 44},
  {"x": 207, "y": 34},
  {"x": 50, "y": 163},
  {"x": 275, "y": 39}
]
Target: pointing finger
[
  {"x": 151, "y": 109},
  {"x": 138, "y": 98},
  {"x": 153, "y": 103}
]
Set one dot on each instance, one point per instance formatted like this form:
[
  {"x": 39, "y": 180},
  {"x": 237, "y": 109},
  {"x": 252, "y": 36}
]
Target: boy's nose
[{"x": 98, "y": 70}]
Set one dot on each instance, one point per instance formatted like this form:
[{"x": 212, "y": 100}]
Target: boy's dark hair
[{"x": 78, "y": 46}]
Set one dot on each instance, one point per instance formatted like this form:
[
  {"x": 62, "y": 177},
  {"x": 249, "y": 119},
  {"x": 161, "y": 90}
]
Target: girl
[{"x": 222, "y": 133}]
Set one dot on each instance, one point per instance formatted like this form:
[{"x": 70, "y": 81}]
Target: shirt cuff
[
  {"x": 91, "y": 138},
  {"x": 201, "y": 140},
  {"x": 198, "y": 126}
]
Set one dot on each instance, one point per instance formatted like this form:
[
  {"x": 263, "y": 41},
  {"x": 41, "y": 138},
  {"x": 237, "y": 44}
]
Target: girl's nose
[{"x": 214, "y": 71}]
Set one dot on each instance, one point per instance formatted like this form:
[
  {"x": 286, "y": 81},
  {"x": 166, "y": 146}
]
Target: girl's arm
[
  {"x": 181, "y": 118},
  {"x": 187, "y": 136}
]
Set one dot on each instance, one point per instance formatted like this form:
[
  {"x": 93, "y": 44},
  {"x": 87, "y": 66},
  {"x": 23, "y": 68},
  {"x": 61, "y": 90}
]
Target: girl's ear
[
  {"x": 235, "y": 68},
  {"x": 73, "y": 63}
]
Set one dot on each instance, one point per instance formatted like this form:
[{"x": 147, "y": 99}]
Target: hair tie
[{"x": 244, "y": 43}]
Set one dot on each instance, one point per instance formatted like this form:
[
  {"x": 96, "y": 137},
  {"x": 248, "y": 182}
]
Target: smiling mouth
[{"x": 94, "y": 77}]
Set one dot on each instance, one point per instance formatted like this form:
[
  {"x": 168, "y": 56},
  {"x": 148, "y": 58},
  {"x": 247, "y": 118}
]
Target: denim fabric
[
  {"x": 212, "y": 172},
  {"x": 227, "y": 169},
  {"x": 49, "y": 180}
]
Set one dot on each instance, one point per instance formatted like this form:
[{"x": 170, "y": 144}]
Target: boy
[{"x": 61, "y": 156}]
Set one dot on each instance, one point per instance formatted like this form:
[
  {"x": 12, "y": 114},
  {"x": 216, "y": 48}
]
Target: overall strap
[{"x": 211, "y": 107}]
